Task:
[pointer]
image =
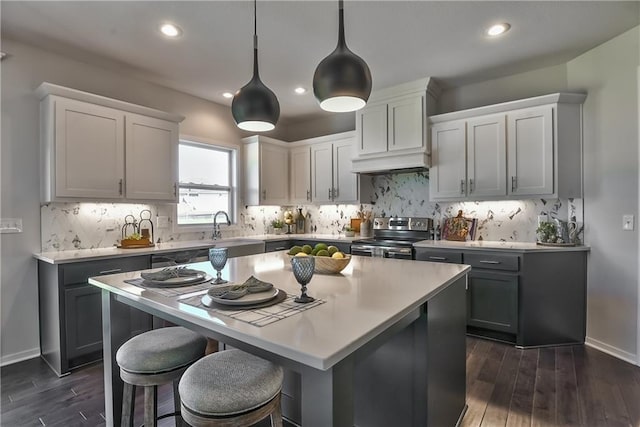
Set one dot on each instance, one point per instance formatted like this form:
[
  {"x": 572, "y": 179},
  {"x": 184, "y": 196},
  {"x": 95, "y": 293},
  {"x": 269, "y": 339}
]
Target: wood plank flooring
[{"x": 561, "y": 386}]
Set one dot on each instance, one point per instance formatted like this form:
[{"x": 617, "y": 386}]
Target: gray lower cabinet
[
  {"x": 71, "y": 310},
  {"x": 277, "y": 245},
  {"x": 531, "y": 298}
]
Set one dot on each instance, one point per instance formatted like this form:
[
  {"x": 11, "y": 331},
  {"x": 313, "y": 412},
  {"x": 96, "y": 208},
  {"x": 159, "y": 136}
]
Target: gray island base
[{"x": 387, "y": 347}]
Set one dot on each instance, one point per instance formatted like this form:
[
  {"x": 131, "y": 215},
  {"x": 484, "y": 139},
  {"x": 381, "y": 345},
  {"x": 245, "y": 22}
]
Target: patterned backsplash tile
[{"x": 93, "y": 225}]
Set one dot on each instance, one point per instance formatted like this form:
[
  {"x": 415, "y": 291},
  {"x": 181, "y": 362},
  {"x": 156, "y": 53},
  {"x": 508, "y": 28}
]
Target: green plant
[
  {"x": 547, "y": 232},
  {"x": 276, "y": 223}
]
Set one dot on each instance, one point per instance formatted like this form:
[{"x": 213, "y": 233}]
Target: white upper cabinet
[
  {"x": 486, "y": 156},
  {"x": 266, "y": 165},
  {"x": 391, "y": 131},
  {"x": 530, "y": 148},
  {"x": 87, "y": 146},
  {"x": 521, "y": 149},
  {"x": 101, "y": 149},
  {"x": 152, "y": 158},
  {"x": 448, "y": 147},
  {"x": 331, "y": 178},
  {"x": 300, "y": 175}
]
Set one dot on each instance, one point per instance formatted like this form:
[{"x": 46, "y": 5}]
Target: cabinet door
[
  {"x": 530, "y": 148},
  {"x": 300, "y": 175},
  {"x": 486, "y": 156},
  {"x": 152, "y": 158},
  {"x": 83, "y": 320},
  {"x": 322, "y": 172},
  {"x": 371, "y": 127},
  {"x": 274, "y": 174},
  {"x": 89, "y": 150},
  {"x": 345, "y": 182},
  {"x": 406, "y": 123},
  {"x": 447, "y": 176},
  {"x": 492, "y": 301}
]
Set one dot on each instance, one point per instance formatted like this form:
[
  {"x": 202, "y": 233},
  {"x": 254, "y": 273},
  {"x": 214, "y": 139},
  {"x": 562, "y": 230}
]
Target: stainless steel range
[{"x": 394, "y": 236}]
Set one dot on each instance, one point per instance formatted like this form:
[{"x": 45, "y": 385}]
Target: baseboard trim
[
  {"x": 10, "y": 359},
  {"x": 612, "y": 351}
]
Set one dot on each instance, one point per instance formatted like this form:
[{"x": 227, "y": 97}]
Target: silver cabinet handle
[
  {"x": 462, "y": 186},
  {"x": 264, "y": 194},
  {"x": 438, "y": 258},
  {"x": 329, "y": 193},
  {"x": 120, "y": 185},
  {"x": 175, "y": 189},
  {"x": 513, "y": 183},
  {"x": 489, "y": 262},
  {"x": 335, "y": 193},
  {"x": 115, "y": 270},
  {"x": 308, "y": 195},
  {"x": 470, "y": 185}
]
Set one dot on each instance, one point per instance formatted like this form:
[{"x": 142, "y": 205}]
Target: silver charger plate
[{"x": 248, "y": 299}]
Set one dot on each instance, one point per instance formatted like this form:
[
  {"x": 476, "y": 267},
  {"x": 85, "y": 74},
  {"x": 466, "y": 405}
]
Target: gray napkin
[
  {"x": 251, "y": 286},
  {"x": 171, "y": 273}
]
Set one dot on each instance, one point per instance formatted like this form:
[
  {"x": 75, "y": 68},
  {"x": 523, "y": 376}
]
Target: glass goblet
[
  {"x": 303, "y": 271},
  {"x": 218, "y": 259}
]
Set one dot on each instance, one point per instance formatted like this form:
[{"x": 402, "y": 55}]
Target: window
[{"x": 207, "y": 182}]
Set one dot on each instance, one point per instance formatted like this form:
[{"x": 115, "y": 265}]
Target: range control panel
[{"x": 403, "y": 223}]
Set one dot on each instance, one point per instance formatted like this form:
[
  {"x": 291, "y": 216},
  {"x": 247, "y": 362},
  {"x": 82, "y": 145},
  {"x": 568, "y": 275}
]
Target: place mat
[
  {"x": 173, "y": 292},
  {"x": 266, "y": 315}
]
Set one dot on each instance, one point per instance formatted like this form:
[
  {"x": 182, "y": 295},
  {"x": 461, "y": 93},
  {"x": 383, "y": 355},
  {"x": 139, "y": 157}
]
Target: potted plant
[
  {"x": 349, "y": 232},
  {"x": 277, "y": 226},
  {"x": 547, "y": 232}
]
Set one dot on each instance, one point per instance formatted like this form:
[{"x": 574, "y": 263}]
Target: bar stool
[
  {"x": 231, "y": 388},
  {"x": 155, "y": 358}
]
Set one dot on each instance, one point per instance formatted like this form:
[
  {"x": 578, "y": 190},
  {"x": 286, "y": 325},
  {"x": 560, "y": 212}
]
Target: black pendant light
[
  {"x": 342, "y": 81},
  {"x": 255, "y": 107}
]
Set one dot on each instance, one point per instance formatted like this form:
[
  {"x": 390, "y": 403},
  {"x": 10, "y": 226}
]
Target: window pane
[
  {"x": 204, "y": 165},
  {"x": 198, "y": 206}
]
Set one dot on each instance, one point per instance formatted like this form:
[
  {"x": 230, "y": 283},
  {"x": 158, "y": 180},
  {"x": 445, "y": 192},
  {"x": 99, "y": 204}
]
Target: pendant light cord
[
  {"x": 341, "y": 41},
  {"x": 255, "y": 38}
]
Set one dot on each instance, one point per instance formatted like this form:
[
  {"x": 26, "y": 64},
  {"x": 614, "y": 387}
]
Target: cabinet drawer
[
  {"x": 280, "y": 245},
  {"x": 79, "y": 272},
  {"x": 438, "y": 256},
  {"x": 492, "y": 261}
]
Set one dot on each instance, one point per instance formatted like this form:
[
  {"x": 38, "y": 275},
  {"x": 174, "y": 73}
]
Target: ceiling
[{"x": 400, "y": 40}]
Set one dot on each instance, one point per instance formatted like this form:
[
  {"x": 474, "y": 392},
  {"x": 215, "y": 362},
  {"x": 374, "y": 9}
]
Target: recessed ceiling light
[
  {"x": 170, "y": 30},
  {"x": 227, "y": 95},
  {"x": 300, "y": 90},
  {"x": 496, "y": 30}
]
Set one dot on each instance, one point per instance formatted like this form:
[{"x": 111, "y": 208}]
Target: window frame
[{"x": 234, "y": 158}]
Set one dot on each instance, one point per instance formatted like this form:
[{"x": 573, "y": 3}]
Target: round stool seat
[
  {"x": 228, "y": 383},
  {"x": 161, "y": 350}
]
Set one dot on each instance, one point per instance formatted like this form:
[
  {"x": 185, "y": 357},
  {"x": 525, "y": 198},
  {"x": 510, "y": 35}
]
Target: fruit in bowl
[{"x": 329, "y": 259}]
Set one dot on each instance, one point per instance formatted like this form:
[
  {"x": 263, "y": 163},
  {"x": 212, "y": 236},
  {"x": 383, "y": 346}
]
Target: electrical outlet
[
  {"x": 11, "y": 225},
  {"x": 162, "y": 222},
  {"x": 627, "y": 222}
]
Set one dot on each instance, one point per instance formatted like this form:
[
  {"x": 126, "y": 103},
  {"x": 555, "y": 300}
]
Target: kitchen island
[{"x": 387, "y": 346}]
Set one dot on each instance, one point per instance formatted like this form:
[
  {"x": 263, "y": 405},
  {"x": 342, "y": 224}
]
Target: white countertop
[
  {"x": 62, "y": 257},
  {"x": 370, "y": 295},
  {"x": 495, "y": 245}
]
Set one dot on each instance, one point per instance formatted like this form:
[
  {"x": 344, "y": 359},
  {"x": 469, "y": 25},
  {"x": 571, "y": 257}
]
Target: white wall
[
  {"x": 609, "y": 74},
  {"x": 22, "y": 72}
]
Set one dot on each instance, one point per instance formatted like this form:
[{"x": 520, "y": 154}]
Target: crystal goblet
[
  {"x": 218, "y": 259},
  {"x": 303, "y": 271}
]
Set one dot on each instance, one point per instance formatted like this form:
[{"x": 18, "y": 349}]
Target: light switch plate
[
  {"x": 11, "y": 225},
  {"x": 627, "y": 222}
]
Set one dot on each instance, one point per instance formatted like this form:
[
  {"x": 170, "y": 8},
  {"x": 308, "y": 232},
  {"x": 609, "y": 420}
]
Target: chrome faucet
[{"x": 216, "y": 227}]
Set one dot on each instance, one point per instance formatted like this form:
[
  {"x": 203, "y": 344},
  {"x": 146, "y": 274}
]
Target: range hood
[{"x": 392, "y": 130}]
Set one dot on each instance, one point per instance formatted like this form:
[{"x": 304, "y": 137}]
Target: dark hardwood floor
[{"x": 561, "y": 386}]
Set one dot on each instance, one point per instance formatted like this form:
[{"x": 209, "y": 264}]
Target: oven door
[{"x": 389, "y": 251}]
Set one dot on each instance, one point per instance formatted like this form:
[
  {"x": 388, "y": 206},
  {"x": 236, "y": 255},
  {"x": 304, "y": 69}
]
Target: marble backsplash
[{"x": 93, "y": 225}]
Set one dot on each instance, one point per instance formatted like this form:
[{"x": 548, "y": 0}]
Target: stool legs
[
  {"x": 180, "y": 422},
  {"x": 128, "y": 399},
  {"x": 150, "y": 406},
  {"x": 276, "y": 415}
]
